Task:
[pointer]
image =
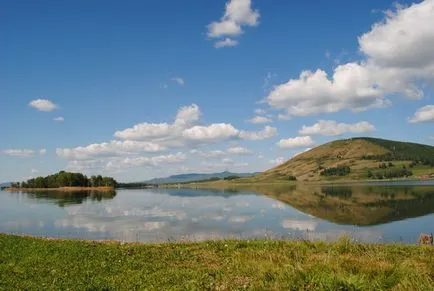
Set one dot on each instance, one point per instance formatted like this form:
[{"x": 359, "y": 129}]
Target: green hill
[{"x": 356, "y": 159}]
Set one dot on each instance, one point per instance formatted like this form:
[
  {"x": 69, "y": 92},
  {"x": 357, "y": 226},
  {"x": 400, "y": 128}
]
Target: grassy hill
[{"x": 356, "y": 159}]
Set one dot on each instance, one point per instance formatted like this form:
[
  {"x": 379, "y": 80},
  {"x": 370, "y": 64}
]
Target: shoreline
[
  {"x": 63, "y": 189},
  {"x": 227, "y": 184}
]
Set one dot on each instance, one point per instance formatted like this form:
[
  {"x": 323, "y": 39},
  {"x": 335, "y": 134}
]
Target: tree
[{"x": 63, "y": 179}]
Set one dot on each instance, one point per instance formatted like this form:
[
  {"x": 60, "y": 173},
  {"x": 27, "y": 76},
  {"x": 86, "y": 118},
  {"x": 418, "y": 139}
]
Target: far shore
[
  {"x": 63, "y": 189},
  {"x": 243, "y": 182}
]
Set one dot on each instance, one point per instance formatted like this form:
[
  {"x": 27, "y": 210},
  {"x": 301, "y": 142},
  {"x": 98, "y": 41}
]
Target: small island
[{"x": 66, "y": 181}]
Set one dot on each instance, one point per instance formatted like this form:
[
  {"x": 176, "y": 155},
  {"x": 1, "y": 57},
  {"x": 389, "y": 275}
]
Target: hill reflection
[{"x": 356, "y": 205}]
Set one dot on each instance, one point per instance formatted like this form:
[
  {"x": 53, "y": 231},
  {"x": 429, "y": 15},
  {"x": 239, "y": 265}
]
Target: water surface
[{"x": 369, "y": 213}]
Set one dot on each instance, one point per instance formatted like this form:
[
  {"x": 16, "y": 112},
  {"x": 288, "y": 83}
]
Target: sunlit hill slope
[{"x": 357, "y": 159}]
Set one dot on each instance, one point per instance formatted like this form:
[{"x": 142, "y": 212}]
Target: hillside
[
  {"x": 356, "y": 159},
  {"x": 183, "y": 178}
]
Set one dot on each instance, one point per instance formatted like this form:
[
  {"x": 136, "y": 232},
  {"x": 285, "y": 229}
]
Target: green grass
[{"x": 31, "y": 263}]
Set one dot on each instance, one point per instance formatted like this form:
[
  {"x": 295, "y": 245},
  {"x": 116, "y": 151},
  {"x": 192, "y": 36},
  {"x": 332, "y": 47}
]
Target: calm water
[{"x": 369, "y": 213}]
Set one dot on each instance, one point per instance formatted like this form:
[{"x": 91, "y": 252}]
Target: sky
[{"x": 144, "y": 89}]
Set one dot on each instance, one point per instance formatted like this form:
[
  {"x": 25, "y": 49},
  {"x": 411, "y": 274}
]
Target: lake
[{"x": 381, "y": 212}]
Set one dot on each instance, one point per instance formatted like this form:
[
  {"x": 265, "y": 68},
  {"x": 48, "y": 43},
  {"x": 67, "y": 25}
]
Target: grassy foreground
[{"x": 32, "y": 263}]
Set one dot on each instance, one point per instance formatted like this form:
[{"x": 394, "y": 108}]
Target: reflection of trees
[
  {"x": 63, "y": 198},
  {"x": 356, "y": 205}
]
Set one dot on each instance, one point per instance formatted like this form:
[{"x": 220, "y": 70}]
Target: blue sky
[{"x": 143, "y": 89}]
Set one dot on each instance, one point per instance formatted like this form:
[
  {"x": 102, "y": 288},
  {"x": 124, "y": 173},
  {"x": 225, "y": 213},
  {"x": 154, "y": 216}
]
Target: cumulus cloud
[
  {"x": 259, "y": 120},
  {"x": 211, "y": 133},
  {"x": 208, "y": 154},
  {"x": 227, "y": 42},
  {"x": 332, "y": 128},
  {"x": 140, "y": 144},
  {"x": 60, "y": 118},
  {"x": 186, "y": 116},
  {"x": 239, "y": 151},
  {"x": 178, "y": 80},
  {"x": 266, "y": 133},
  {"x": 21, "y": 153},
  {"x": 155, "y": 161},
  {"x": 423, "y": 114},
  {"x": 295, "y": 142},
  {"x": 397, "y": 57},
  {"x": 43, "y": 105},
  {"x": 108, "y": 149},
  {"x": 283, "y": 117},
  {"x": 185, "y": 131},
  {"x": 238, "y": 13}
]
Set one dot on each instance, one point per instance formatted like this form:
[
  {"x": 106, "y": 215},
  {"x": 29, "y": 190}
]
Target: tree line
[
  {"x": 390, "y": 173},
  {"x": 66, "y": 179},
  {"x": 336, "y": 171}
]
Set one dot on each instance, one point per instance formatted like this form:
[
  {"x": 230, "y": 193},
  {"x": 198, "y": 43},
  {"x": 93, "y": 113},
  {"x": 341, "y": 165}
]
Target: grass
[{"x": 31, "y": 263}]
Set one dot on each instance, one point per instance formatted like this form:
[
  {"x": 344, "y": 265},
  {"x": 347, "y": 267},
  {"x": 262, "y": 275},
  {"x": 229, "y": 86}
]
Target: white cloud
[
  {"x": 351, "y": 87},
  {"x": 60, "y": 118},
  {"x": 296, "y": 142},
  {"x": 34, "y": 171},
  {"x": 423, "y": 114},
  {"x": 108, "y": 149},
  {"x": 398, "y": 57},
  {"x": 186, "y": 116},
  {"x": 208, "y": 154},
  {"x": 21, "y": 153},
  {"x": 283, "y": 117},
  {"x": 277, "y": 161},
  {"x": 259, "y": 120},
  {"x": 332, "y": 128},
  {"x": 178, "y": 80},
  {"x": 43, "y": 105},
  {"x": 154, "y": 161},
  {"x": 42, "y": 152},
  {"x": 239, "y": 151},
  {"x": 145, "y": 131},
  {"x": 404, "y": 39},
  {"x": 227, "y": 42},
  {"x": 266, "y": 133},
  {"x": 211, "y": 133},
  {"x": 217, "y": 29},
  {"x": 238, "y": 13},
  {"x": 140, "y": 144},
  {"x": 260, "y": 111}
]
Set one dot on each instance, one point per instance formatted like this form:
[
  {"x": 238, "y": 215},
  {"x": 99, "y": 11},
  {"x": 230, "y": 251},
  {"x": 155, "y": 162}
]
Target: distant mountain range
[
  {"x": 182, "y": 178},
  {"x": 5, "y": 184}
]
